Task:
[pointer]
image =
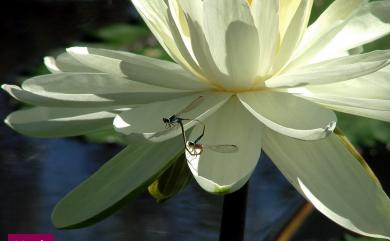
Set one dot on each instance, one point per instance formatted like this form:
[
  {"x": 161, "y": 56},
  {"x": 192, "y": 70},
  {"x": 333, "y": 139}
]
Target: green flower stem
[{"x": 233, "y": 215}]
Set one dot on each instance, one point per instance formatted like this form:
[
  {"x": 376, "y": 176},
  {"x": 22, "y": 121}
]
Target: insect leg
[
  {"x": 201, "y": 135},
  {"x": 184, "y": 136}
]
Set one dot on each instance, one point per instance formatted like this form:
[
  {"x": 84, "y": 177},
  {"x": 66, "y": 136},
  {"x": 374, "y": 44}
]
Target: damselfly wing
[
  {"x": 222, "y": 148},
  {"x": 172, "y": 120},
  {"x": 176, "y": 119},
  {"x": 197, "y": 148},
  {"x": 195, "y": 103}
]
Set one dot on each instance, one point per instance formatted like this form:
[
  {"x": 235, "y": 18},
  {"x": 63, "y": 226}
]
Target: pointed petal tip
[
  {"x": 213, "y": 188},
  {"x": 8, "y": 88},
  {"x": 120, "y": 125},
  {"x": 78, "y": 50},
  {"x": 216, "y": 189},
  {"x": 330, "y": 128},
  {"x": 48, "y": 59},
  {"x": 209, "y": 185},
  {"x": 7, "y": 122},
  {"x": 50, "y": 63}
]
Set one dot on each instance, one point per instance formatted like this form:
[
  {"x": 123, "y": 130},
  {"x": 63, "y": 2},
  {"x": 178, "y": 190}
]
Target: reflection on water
[{"x": 36, "y": 173}]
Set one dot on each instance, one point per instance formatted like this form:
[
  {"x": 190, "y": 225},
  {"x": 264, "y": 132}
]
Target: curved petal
[
  {"x": 368, "y": 96},
  {"x": 334, "y": 70},
  {"x": 218, "y": 172},
  {"x": 373, "y": 104},
  {"x": 325, "y": 28},
  {"x": 51, "y": 65},
  {"x": 326, "y": 173},
  {"x": 32, "y": 99},
  {"x": 58, "y": 122},
  {"x": 294, "y": 32},
  {"x": 55, "y": 100},
  {"x": 178, "y": 28},
  {"x": 372, "y": 86},
  {"x": 193, "y": 12},
  {"x": 287, "y": 11},
  {"x": 266, "y": 18},
  {"x": 138, "y": 68},
  {"x": 155, "y": 15},
  {"x": 148, "y": 119},
  {"x": 289, "y": 115},
  {"x": 370, "y": 23},
  {"x": 97, "y": 88},
  {"x": 233, "y": 40},
  {"x": 66, "y": 63},
  {"x": 383, "y": 115}
]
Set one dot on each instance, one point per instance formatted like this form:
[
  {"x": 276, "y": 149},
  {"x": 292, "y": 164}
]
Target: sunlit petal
[
  {"x": 293, "y": 34},
  {"x": 266, "y": 18},
  {"x": 289, "y": 115},
  {"x": 334, "y": 70},
  {"x": 155, "y": 15},
  {"x": 225, "y": 172},
  {"x": 233, "y": 41},
  {"x": 367, "y": 96},
  {"x": 371, "y": 22},
  {"x": 329, "y": 176},
  {"x": 138, "y": 68},
  {"x": 97, "y": 89},
  {"x": 148, "y": 119},
  {"x": 66, "y": 63},
  {"x": 59, "y": 122}
]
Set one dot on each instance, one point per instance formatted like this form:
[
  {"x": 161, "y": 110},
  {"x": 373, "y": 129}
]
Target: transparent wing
[
  {"x": 222, "y": 148},
  {"x": 191, "y": 106}
]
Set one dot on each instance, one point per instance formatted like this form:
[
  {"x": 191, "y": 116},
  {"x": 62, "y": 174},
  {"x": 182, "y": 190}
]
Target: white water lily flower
[{"x": 265, "y": 78}]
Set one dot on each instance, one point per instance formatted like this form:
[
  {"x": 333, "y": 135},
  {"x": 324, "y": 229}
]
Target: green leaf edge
[{"x": 119, "y": 204}]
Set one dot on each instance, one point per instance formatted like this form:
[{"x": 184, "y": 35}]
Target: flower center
[{"x": 257, "y": 85}]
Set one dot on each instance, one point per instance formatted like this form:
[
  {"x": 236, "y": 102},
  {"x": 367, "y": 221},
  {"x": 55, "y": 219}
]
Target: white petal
[
  {"x": 326, "y": 27},
  {"x": 328, "y": 175},
  {"x": 368, "y": 96},
  {"x": 289, "y": 115},
  {"x": 58, "y": 122},
  {"x": 181, "y": 39},
  {"x": 147, "y": 119},
  {"x": 138, "y": 68},
  {"x": 97, "y": 89},
  {"x": 334, "y": 70},
  {"x": 293, "y": 34},
  {"x": 193, "y": 11},
  {"x": 30, "y": 98},
  {"x": 371, "y": 22},
  {"x": 287, "y": 10},
  {"x": 155, "y": 15},
  {"x": 383, "y": 115},
  {"x": 66, "y": 63},
  {"x": 331, "y": 99},
  {"x": 55, "y": 100},
  {"x": 233, "y": 41},
  {"x": 371, "y": 91},
  {"x": 50, "y": 64},
  {"x": 222, "y": 173},
  {"x": 266, "y": 18}
]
